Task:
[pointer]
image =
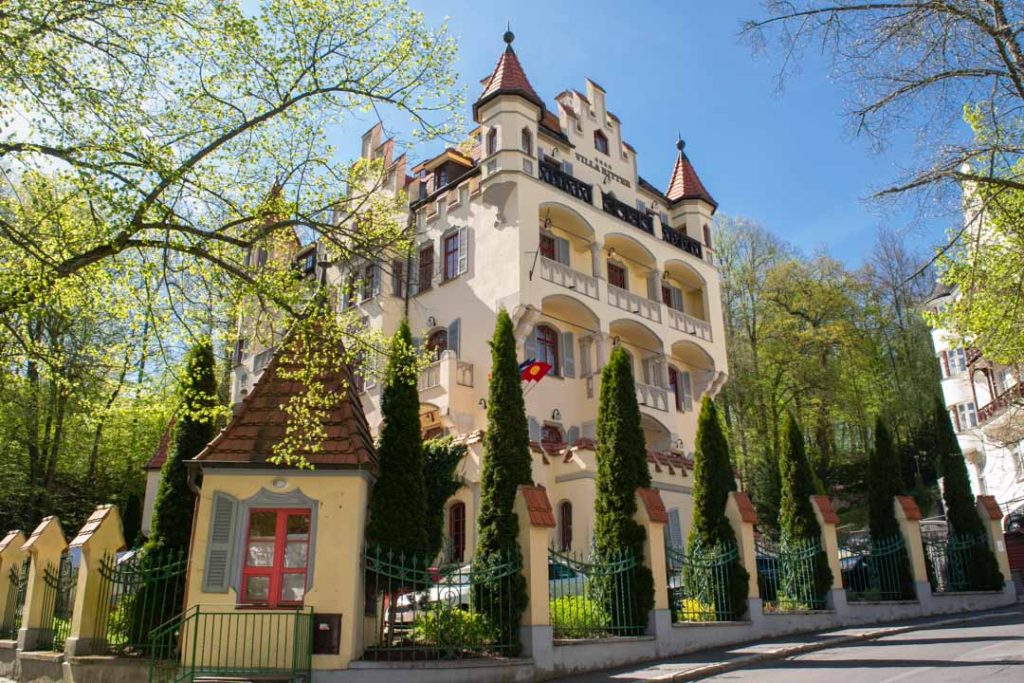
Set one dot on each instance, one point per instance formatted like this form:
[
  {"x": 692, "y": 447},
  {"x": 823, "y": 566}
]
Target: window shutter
[
  {"x": 568, "y": 355},
  {"x": 463, "y": 250},
  {"x": 589, "y": 430},
  {"x": 641, "y": 206},
  {"x": 652, "y": 286},
  {"x": 453, "y": 336},
  {"x": 567, "y": 167},
  {"x": 417, "y": 342},
  {"x": 375, "y": 281},
  {"x": 675, "y": 529},
  {"x": 677, "y": 299},
  {"x": 530, "y": 346},
  {"x": 944, "y": 359},
  {"x": 534, "y": 429},
  {"x": 573, "y": 435},
  {"x": 687, "y": 390},
  {"x": 955, "y": 418},
  {"x": 216, "y": 575},
  {"x": 585, "y": 344},
  {"x": 664, "y": 220},
  {"x": 397, "y": 266},
  {"x": 562, "y": 251},
  {"x": 414, "y": 276}
]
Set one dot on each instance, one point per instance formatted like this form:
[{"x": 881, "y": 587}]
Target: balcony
[
  {"x": 627, "y": 213},
  {"x": 638, "y": 305},
  {"x": 446, "y": 372},
  {"x": 566, "y": 183},
  {"x": 1007, "y": 398},
  {"x": 681, "y": 241},
  {"x": 687, "y": 324},
  {"x": 652, "y": 396},
  {"x": 564, "y": 276}
]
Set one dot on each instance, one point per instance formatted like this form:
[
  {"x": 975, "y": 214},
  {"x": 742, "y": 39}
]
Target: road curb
[{"x": 804, "y": 648}]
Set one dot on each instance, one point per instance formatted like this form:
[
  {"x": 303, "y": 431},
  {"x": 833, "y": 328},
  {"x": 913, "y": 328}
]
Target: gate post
[
  {"x": 44, "y": 548},
  {"x": 828, "y": 520},
  {"x": 536, "y": 518},
  {"x": 742, "y": 517},
  {"x": 100, "y": 536},
  {"x": 11, "y": 558},
  {"x": 909, "y": 517},
  {"x": 651, "y": 515},
  {"x": 992, "y": 520}
]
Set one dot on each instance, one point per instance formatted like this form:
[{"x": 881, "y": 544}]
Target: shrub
[
  {"x": 576, "y": 616},
  {"x": 452, "y": 628},
  {"x": 692, "y": 609}
]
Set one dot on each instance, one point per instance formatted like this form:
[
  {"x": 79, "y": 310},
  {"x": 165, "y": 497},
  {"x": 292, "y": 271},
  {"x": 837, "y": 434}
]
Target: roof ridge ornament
[{"x": 509, "y": 36}]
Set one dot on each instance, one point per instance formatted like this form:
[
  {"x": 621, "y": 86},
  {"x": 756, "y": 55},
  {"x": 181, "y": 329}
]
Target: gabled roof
[
  {"x": 162, "y": 449},
  {"x": 508, "y": 78},
  {"x": 685, "y": 183},
  {"x": 260, "y": 422}
]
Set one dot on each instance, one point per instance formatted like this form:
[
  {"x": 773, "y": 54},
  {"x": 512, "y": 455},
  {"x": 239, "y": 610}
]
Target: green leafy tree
[
  {"x": 441, "y": 457},
  {"x": 398, "y": 504},
  {"x": 713, "y": 479},
  {"x": 171, "y": 525},
  {"x": 982, "y": 569},
  {"x": 507, "y": 465},
  {"x": 621, "y": 470},
  {"x": 797, "y": 522}
]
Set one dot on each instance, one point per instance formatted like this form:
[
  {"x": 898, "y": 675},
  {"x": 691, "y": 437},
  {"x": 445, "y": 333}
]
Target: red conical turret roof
[
  {"x": 508, "y": 78},
  {"x": 685, "y": 183}
]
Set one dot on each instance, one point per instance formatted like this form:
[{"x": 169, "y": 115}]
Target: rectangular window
[
  {"x": 617, "y": 276},
  {"x": 967, "y": 415},
  {"x": 547, "y": 247},
  {"x": 398, "y": 277},
  {"x": 666, "y": 295},
  {"x": 369, "y": 282},
  {"x": 276, "y": 558},
  {"x": 957, "y": 359},
  {"x": 426, "y": 268},
  {"x": 239, "y": 350},
  {"x": 451, "y": 256}
]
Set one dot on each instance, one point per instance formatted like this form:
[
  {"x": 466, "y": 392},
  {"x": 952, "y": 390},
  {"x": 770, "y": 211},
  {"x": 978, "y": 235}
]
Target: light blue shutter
[
  {"x": 589, "y": 430},
  {"x": 641, "y": 206},
  {"x": 687, "y": 390},
  {"x": 414, "y": 276},
  {"x": 664, "y": 219},
  {"x": 375, "y": 282},
  {"x": 534, "y": 429},
  {"x": 568, "y": 355},
  {"x": 216, "y": 574},
  {"x": 677, "y": 299},
  {"x": 572, "y": 435},
  {"x": 463, "y": 250},
  {"x": 562, "y": 251},
  {"x": 585, "y": 343},
  {"x": 453, "y": 336},
  {"x": 567, "y": 167},
  {"x": 652, "y": 286},
  {"x": 675, "y": 529},
  {"x": 648, "y": 370},
  {"x": 530, "y": 346}
]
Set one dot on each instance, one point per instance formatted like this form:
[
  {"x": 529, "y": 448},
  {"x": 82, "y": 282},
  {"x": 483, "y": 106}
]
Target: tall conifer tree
[
  {"x": 621, "y": 470},
  {"x": 885, "y": 482}
]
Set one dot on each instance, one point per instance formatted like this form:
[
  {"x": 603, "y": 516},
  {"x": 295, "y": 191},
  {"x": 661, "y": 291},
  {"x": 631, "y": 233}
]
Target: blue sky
[{"x": 786, "y": 160}]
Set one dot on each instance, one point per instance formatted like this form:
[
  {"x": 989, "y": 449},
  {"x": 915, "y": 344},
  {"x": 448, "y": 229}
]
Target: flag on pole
[{"x": 533, "y": 370}]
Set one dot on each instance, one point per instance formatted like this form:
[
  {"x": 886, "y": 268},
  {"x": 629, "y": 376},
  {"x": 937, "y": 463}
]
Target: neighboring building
[
  {"x": 547, "y": 217},
  {"x": 153, "y": 468}
]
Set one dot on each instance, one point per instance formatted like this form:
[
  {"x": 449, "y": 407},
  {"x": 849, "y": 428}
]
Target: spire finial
[
  {"x": 509, "y": 36},
  {"x": 680, "y": 144}
]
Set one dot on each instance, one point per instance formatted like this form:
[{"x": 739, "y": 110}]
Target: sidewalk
[{"x": 701, "y": 665}]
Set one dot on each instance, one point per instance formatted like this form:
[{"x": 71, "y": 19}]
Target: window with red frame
[
  {"x": 457, "y": 531},
  {"x": 276, "y": 557},
  {"x": 617, "y": 276},
  {"x": 451, "y": 256},
  {"x": 547, "y": 246}
]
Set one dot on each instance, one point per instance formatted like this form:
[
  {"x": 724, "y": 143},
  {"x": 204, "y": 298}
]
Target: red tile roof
[
  {"x": 160, "y": 454},
  {"x": 685, "y": 183},
  {"x": 910, "y": 509},
  {"x": 654, "y": 505},
  {"x": 538, "y": 505},
  {"x": 508, "y": 78},
  {"x": 91, "y": 525},
  {"x": 747, "y": 512},
  {"x": 260, "y": 423},
  {"x": 828, "y": 513},
  {"x": 991, "y": 507}
]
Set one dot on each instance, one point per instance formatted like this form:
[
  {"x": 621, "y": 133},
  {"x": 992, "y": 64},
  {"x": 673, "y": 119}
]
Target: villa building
[{"x": 544, "y": 213}]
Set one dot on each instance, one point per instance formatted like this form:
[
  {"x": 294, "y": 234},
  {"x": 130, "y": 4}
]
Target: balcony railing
[
  {"x": 566, "y": 183},
  {"x": 996, "y": 406},
  {"x": 652, "y": 396},
  {"x": 627, "y": 301},
  {"x": 448, "y": 371},
  {"x": 678, "y": 320},
  {"x": 681, "y": 241},
  {"x": 563, "y": 275},
  {"x": 627, "y": 213},
  {"x": 430, "y": 376}
]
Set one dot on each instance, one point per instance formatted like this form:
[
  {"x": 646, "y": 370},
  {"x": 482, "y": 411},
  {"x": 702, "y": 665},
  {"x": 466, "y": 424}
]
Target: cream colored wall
[
  {"x": 152, "y": 484},
  {"x": 341, "y": 519}
]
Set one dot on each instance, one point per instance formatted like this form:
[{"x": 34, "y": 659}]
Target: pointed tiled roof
[
  {"x": 508, "y": 78},
  {"x": 260, "y": 423},
  {"x": 684, "y": 183},
  {"x": 162, "y": 449}
]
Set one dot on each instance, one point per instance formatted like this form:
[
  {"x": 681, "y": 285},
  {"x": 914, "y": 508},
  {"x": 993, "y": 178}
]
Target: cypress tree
[
  {"x": 507, "y": 465},
  {"x": 885, "y": 482},
  {"x": 621, "y": 470},
  {"x": 398, "y": 505},
  {"x": 982, "y": 569},
  {"x": 798, "y": 524},
  {"x": 766, "y": 490},
  {"x": 713, "y": 479},
  {"x": 440, "y": 458},
  {"x": 171, "y": 525}
]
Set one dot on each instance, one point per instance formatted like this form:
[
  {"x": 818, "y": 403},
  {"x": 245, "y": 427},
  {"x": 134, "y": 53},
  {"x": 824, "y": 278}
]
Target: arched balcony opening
[
  {"x": 567, "y": 249},
  {"x": 650, "y": 368},
  {"x": 684, "y": 293},
  {"x": 696, "y": 371},
  {"x": 656, "y": 435},
  {"x": 633, "y": 278}
]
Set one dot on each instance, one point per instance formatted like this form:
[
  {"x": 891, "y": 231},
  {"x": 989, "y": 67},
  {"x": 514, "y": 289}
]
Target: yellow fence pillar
[
  {"x": 742, "y": 517},
  {"x": 828, "y": 520},
  {"x": 44, "y": 548},
  {"x": 909, "y": 517},
  {"x": 992, "y": 520},
  {"x": 651, "y": 515},
  {"x": 12, "y": 557},
  {"x": 536, "y": 518},
  {"x": 101, "y": 536}
]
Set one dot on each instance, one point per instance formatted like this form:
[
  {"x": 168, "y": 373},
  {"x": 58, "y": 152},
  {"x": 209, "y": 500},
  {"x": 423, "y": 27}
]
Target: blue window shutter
[
  {"x": 562, "y": 251},
  {"x": 375, "y": 281},
  {"x": 585, "y": 344},
  {"x": 568, "y": 355},
  {"x": 567, "y": 167},
  {"x": 530, "y": 346},
  {"x": 217, "y": 570},
  {"x": 686, "y": 389},
  {"x": 677, "y": 298},
  {"x": 463, "y": 250},
  {"x": 572, "y": 435},
  {"x": 652, "y": 286},
  {"x": 534, "y": 429},
  {"x": 675, "y": 529},
  {"x": 414, "y": 276},
  {"x": 453, "y": 336}
]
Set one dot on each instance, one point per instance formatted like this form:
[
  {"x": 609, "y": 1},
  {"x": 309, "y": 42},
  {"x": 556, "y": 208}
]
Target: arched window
[
  {"x": 547, "y": 348},
  {"x": 550, "y": 434},
  {"x": 565, "y": 526},
  {"x": 457, "y": 532},
  {"x": 527, "y": 142},
  {"x": 492, "y": 141},
  {"x": 707, "y": 235},
  {"x": 437, "y": 343},
  {"x": 600, "y": 142}
]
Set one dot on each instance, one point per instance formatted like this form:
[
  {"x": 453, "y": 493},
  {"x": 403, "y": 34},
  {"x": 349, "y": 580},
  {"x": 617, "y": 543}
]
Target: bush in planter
[
  {"x": 452, "y": 628},
  {"x": 576, "y": 616}
]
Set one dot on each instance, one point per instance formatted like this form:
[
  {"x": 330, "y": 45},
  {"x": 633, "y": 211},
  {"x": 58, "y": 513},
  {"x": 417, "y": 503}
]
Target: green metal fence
[
  {"x": 592, "y": 597},
  {"x": 418, "y": 611},
  {"x": 875, "y": 570},
  {"x": 136, "y": 594},
  {"x": 698, "y": 583},
  {"x": 211, "y": 643},
  {"x": 17, "y": 583},
  {"x": 947, "y": 556},
  {"x": 59, "y": 584},
  {"x": 786, "y": 574}
]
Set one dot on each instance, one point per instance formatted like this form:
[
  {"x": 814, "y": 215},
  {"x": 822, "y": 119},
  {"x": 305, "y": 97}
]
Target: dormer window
[
  {"x": 527, "y": 142},
  {"x": 492, "y": 141},
  {"x": 600, "y": 142}
]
